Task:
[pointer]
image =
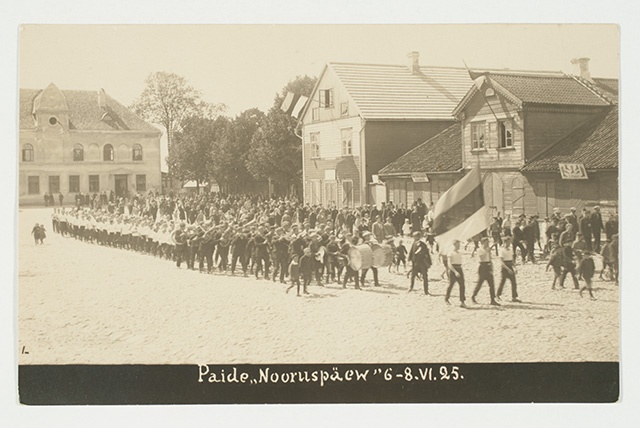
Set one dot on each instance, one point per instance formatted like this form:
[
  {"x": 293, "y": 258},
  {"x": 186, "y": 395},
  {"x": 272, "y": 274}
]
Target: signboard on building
[
  {"x": 419, "y": 177},
  {"x": 573, "y": 171}
]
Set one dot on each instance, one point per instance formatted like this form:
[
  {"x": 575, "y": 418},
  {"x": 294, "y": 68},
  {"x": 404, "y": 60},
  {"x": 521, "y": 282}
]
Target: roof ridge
[
  {"x": 593, "y": 88},
  {"x": 441, "y": 67}
]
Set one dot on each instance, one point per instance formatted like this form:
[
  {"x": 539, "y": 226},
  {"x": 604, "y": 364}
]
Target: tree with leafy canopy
[
  {"x": 233, "y": 148},
  {"x": 276, "y": 150},
  {"x": 170, "y": 101},
  {"x": 193, "y": 156}
]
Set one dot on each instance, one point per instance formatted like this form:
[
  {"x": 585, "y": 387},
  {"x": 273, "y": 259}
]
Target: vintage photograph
[{"x": 317, "y": 194}]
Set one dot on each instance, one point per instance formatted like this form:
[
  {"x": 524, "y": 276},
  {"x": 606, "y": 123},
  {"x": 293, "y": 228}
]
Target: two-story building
[
  {"x": 360, "y": 117},
  {"x": 509, "y": 120},
  {"x": 542, "y": 140},
  {"x": 83, "y": 142}
]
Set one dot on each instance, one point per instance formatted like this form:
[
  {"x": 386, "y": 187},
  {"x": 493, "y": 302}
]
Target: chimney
[
  {"x": 102, "y": 99},
  {"x": 583, "y": 64},
  {"x": 414, "y": 62}
]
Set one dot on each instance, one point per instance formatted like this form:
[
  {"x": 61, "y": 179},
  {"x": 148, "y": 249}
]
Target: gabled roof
[
  {"x": 594, "y": 144},
  {"x": 561, "y": 90},
  {"x": 86, "y": 112},
  {"x": 440, "y": 153},
  {"x": 392, "y": 92},
  {"x": 555, "y": 89}
]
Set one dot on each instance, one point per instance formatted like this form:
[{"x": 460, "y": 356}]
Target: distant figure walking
[{"x": 38, "y": 233}]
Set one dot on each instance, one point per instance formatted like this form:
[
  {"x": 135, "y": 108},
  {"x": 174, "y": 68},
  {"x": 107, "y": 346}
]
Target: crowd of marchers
[{"x": 283, "y": 239}]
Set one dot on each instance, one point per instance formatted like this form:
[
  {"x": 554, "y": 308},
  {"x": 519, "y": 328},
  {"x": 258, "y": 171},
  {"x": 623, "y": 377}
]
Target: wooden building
[
  {"x": 83, "y": 142},
  {"x": 522, "y": 128},
  {"x": 508, "y": 120},
  {"x": 361, "y": 117}
]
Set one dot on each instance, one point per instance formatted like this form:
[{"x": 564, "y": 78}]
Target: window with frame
[
  {"x": 505, "y": 134},
  {"x": 477, "y": 135},
  {"x": 326, "y": 98},
  {"x": 107, "y": 152},
  {"x": 33, "y": 185},
  {"x": 94, "y": 183},
  {"x": 315, "y": 114},
  {"x": 141, "y": 183},
  {"x": 137, "y": 152},
  {"x": 315, "y": 144},
  {"x": 78, "y": 153},
  {"x": 27, "y": 153},
  {"x": 74, "y": 184},
  {"x": 344, "y": 109},
  {"x": 345, "y": 136},
  {"x": 54, "y": 184}
]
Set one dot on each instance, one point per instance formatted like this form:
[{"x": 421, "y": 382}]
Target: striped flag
[
  {"x": 302, "y": 101},
  {"x": 461, "y": 213},
  {"x": 293, "y": 104},
  {"x": 288, "y": 102}
]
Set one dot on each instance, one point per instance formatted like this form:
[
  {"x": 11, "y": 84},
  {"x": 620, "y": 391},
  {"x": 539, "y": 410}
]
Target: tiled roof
[
  {"x": 610, "y": 85},
  {"x": 557, "y": 90},
  {"x": 86, "y": 113},
  {"x": 441, "y": 153},
  {"x": 392, "y": 92},
  {"x": 594, "y": 144}
]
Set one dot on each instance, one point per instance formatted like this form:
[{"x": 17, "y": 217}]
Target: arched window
[
  {"x": 78, "y": 153},
  {"x": 137, "y": 152},
  {"x": 107, "y": 152},
  {"x": 27, "y": 153}
]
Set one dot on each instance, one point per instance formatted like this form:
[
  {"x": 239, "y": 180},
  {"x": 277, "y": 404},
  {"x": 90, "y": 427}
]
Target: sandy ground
[{"x": 80, "y": 303}]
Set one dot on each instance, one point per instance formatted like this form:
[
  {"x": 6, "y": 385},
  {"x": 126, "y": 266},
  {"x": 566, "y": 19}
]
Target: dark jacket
[{"x": 420, "y": 256}]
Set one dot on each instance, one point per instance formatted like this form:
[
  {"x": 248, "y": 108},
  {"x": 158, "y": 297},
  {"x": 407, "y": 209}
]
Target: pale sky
[{"x": 244, "y": 66}]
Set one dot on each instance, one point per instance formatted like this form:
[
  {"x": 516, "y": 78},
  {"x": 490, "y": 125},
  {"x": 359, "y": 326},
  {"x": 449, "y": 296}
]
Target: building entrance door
[{"x": 121, "y": 185}]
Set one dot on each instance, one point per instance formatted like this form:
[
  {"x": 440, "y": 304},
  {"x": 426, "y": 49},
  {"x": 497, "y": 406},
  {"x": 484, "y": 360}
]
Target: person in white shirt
[
  {"x": 508, "y": 270},
  {"x": 485, "y": 272},
  {"x": 454, "y": 264}
]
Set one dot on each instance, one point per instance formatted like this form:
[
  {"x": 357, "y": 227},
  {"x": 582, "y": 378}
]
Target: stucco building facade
[{"x": 74, "y": 142}]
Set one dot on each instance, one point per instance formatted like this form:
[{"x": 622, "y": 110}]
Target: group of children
[{"x": 576, "y": 259}]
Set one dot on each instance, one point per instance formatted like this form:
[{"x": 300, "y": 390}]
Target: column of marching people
[{"x": 286, "y": 241}]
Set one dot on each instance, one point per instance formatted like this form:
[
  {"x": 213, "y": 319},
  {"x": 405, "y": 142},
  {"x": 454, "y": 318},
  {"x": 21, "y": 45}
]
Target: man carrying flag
[{"x": 461, "y": 213}]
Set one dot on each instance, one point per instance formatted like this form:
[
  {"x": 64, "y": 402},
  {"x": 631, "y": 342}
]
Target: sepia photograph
[{"x": 296, "y": 209}]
